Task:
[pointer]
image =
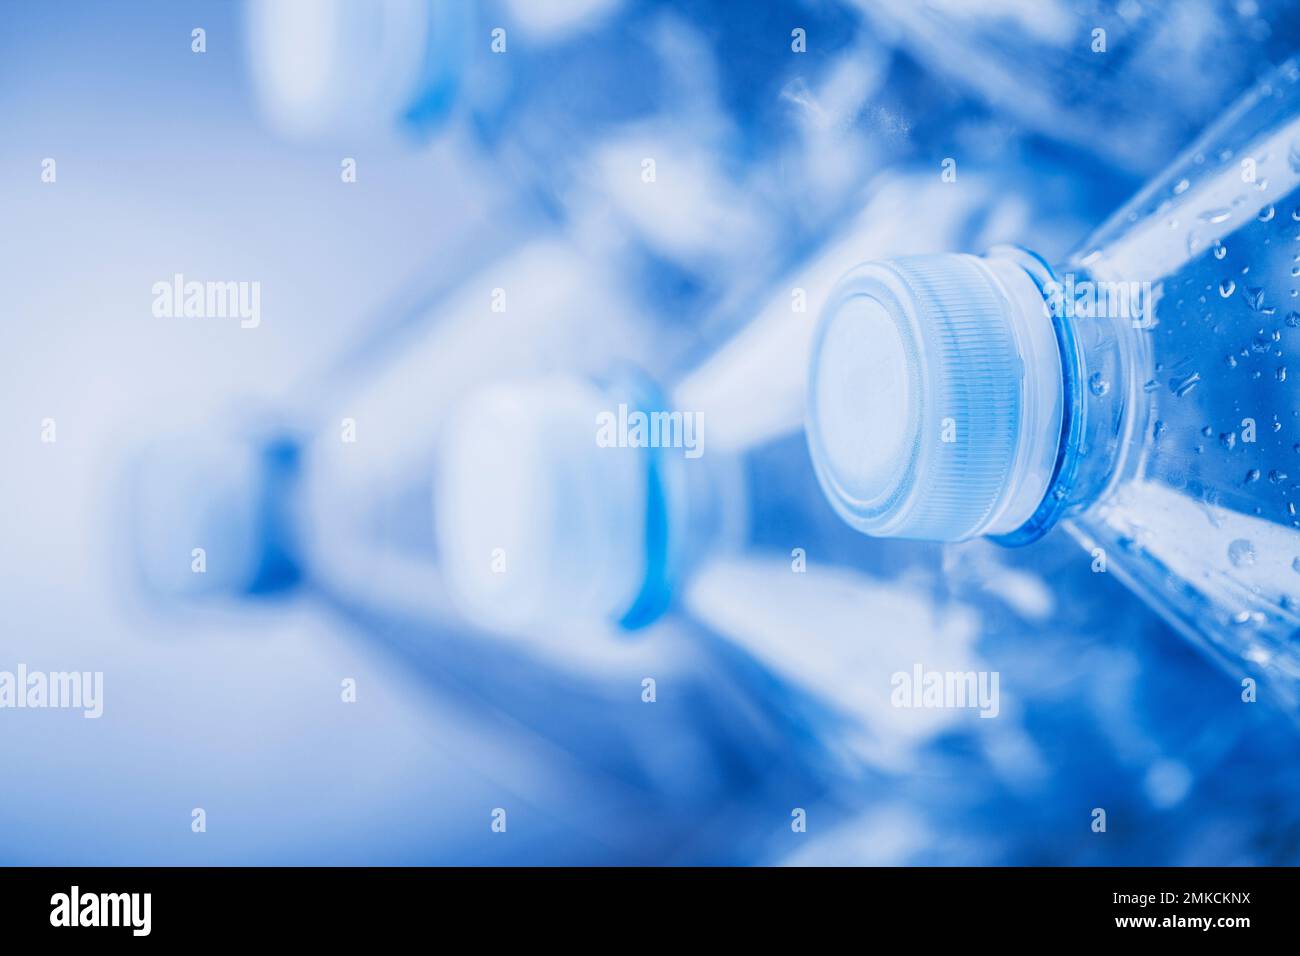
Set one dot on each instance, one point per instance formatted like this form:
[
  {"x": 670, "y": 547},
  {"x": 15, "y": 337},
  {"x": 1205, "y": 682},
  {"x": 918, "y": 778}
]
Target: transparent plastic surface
[
  {"x": 1176, "y": 453},
  {"x": 1186, "y": 478}
]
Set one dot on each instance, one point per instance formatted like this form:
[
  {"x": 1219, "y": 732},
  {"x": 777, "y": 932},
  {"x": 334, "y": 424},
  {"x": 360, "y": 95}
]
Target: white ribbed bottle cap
[
  {"x": 537, "y": 524},
  {"x": 935, "y": 397}
]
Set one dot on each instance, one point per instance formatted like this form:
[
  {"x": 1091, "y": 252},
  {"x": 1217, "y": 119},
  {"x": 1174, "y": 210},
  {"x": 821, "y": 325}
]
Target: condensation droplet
[
  {"x": 1180, "y": 386},
  {"x": 1241, "y": 553}
]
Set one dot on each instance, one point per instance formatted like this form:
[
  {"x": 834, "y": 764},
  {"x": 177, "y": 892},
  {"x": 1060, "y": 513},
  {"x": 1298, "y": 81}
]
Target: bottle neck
[{"x": 1099, "y": 355}]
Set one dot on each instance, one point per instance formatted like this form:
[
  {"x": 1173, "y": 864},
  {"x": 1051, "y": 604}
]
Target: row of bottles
[{"x": 554, "y": 482}]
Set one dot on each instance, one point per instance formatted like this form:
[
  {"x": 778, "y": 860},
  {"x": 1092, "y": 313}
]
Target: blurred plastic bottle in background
[
  {"x": 330, "y": 499},
  {"x": 324, "y": 488},
  {"x": 554, "y": 521},
  {"x": 691, "y": 145},
  {"x": 1070, "y": 71},
  {"x": 1139, "y": 394}
]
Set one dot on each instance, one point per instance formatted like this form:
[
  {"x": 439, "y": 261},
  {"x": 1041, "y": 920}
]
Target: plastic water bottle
[
  {"x": 1140, "y": 394},
  {"x": 551, "y": 74},
  {"x": 329, "y": 501},
  {"x": 566, "y": 499},
  {"x": 692, "y": 146},
  {"x": 332, "y": 490}
]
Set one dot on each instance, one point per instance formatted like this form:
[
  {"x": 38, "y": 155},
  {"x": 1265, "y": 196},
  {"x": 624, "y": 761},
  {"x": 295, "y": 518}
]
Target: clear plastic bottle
[
  {"x": 692, "y": 146},
  {"x": 328, "y": 500},
  {"x": 541, "y": 80},
  {"x": 1139, "y": 394},
  {"x": 332, "y": 490}
]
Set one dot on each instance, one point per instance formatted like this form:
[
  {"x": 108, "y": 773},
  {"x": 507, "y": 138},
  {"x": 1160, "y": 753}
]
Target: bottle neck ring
[{"x": 1057, "y": 499}]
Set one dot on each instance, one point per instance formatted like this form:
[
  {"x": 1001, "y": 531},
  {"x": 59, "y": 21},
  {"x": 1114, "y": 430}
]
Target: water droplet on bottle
[
  {"x": 1098, "y": 385},
  {"x": 1215, "y": 215},
  {"x": 1227, "y": 287},
  {"x": 1276, "y": 476},
  {"x": 1181, "y": 385},
  {"x": 1150, "y": 385},
  {"x": 1181, "y": 186},
  {"x": 1241, "y": 553},
  {"x": 1220, "y": 250},
  {"x": 1281, "y": 373},
  {"x": 1228, "y": 440},
  {"x": 1252, "y": 476},
  {"x": 1254, "y": 297},
  {"x": 1266, "y": 214},
  {"x": 1230, "y": 361},
  {"x": 1159, "y": 429}
]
